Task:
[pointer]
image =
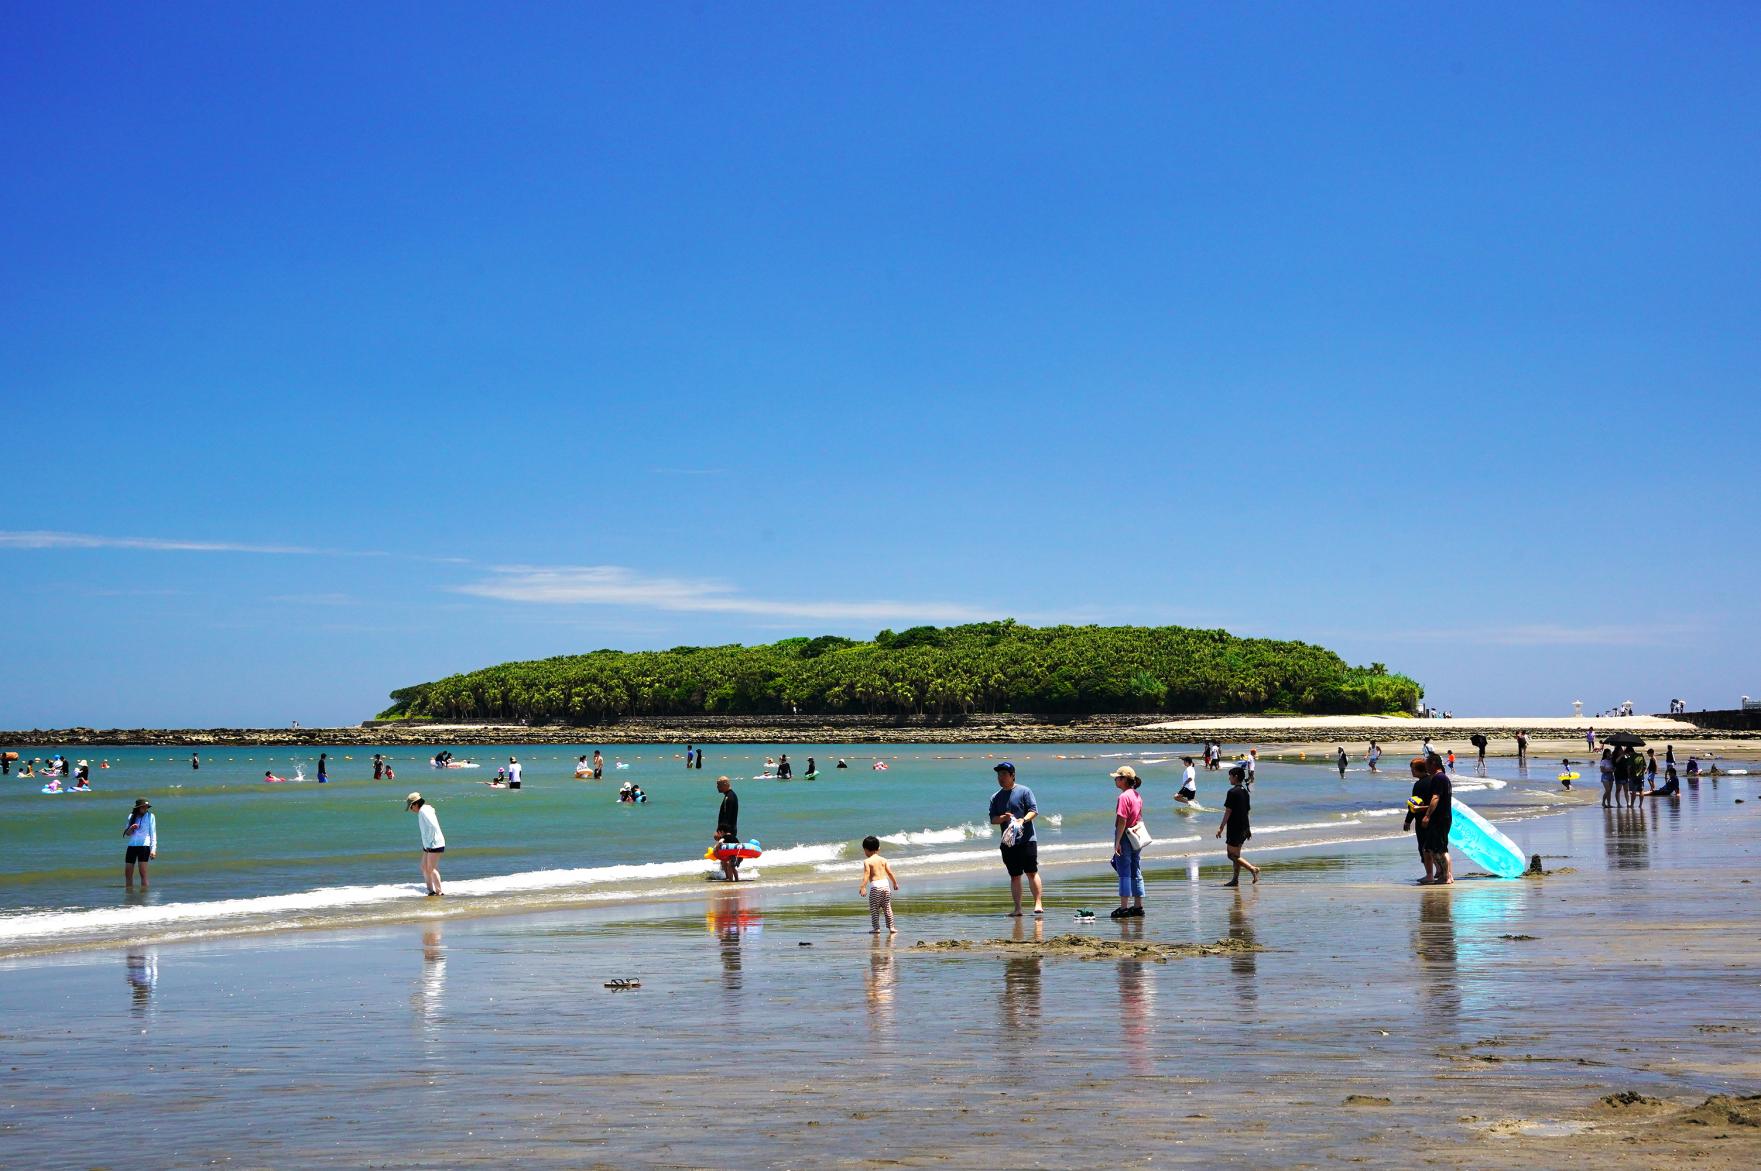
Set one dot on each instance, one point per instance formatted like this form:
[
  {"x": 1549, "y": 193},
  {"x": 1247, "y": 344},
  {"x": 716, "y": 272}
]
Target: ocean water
[{"x": 237, "y": 854}]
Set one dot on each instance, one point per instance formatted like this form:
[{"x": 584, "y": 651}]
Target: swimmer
[{"x": 269, "y": 778}]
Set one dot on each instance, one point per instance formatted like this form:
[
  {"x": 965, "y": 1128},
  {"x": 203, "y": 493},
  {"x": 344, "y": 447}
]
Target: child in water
[{"x": 875, "y": 875}]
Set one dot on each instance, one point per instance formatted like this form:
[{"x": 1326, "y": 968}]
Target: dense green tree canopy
[{"x": 984, "y": 667}]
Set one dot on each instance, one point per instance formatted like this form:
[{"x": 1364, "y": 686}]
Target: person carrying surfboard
[{"x": 1436, "y": 818}]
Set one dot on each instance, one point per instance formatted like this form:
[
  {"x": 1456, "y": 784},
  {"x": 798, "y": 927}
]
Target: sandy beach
[{"x": 1605, "y": 1015}]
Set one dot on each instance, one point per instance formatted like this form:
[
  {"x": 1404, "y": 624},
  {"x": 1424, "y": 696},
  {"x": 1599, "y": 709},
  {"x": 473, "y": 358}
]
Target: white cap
[{"x": 412, "y": 798}]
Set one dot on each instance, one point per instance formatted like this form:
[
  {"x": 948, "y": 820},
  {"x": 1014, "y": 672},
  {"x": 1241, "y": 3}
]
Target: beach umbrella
[{"x": 1623, "y": 740}]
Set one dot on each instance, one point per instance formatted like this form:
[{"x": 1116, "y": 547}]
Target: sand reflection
[
  {"x": 431, "y": 981},
  {"x": 1434, "y": 943},
  {"x": 142, "y": 972},
  {"x": 730, "y": 918},
  {"x": 880, "y": 981}
]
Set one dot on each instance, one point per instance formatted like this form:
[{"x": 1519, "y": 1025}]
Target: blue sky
[{"x": 345, "y": 346}]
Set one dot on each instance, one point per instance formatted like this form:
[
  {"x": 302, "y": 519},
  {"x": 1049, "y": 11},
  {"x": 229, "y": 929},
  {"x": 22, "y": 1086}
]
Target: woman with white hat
[{"x": 433, "y": 841}]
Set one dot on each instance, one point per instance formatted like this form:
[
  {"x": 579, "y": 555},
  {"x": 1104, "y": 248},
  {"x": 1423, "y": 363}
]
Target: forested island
[{"x": 952, "y": 671}]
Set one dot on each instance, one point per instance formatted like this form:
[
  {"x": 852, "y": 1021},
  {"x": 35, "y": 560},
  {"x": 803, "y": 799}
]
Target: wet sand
[{"x": 1350, "y": 1018}]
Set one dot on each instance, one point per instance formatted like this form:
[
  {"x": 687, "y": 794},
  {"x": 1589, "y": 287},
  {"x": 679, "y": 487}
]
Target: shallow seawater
[
  {"x": 1375, "y": 1019},
  {"x": 239, "y": 854}
]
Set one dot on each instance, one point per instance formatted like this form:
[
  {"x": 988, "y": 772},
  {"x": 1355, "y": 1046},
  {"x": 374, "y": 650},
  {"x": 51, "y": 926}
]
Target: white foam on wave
[
  {"x": 1461, "y": 784},
  {"x": 50, "y": 924},
  {"x": 1284, "y": 829},
  {"x": 1373, "y": 813},
  {"x": 938, "y": 837}
]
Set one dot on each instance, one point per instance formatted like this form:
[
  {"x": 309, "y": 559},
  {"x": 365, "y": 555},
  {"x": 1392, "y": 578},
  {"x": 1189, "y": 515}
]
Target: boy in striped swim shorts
[{"x": 876, "y": 874}]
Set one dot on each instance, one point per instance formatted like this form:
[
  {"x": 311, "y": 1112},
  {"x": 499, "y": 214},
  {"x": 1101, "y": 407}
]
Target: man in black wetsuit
[{"x": 727, "y": 826}]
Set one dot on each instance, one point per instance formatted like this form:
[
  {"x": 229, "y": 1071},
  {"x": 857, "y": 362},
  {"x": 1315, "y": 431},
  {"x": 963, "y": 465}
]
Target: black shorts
[
  {"x": 1187, "y": 794},
  {"x": 1021, "y": 858},
  {"x": 1436, "y": 837},
  {"x": 1423, "y": 838},
  {"x": 137, "y": 854},
  {"x": 1237, "y": 839},
  {"x": 434, "y": 849}
]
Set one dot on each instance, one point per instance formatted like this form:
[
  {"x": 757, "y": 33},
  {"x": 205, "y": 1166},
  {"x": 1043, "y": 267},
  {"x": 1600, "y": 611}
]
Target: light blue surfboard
[{"x": 1480, "y": 840}]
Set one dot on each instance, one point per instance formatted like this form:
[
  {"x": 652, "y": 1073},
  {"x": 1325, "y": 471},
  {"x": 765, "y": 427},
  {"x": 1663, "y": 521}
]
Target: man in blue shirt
[{"x": 1013, "y": 808}]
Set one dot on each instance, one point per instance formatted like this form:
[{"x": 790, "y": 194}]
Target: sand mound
[
  {"x": 1725, "y": 1110},
  {"x": 1629, "y": 1098}
]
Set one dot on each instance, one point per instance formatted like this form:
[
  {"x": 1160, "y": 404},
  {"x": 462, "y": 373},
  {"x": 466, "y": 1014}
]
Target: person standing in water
[
  {"x": 690, "y": 755},
  {"x": 1420, "y": 800},
  {"x": 598, "y": 765},
  {"x": 1188, "y": 794},
  {"x": 1013, "y": 808},
  {"x": 1127, "y": 857},
  {"x": 1341, "y": 762},
  {"x": 727, "y": 826},
  {"x": 785, "y": 770},
  {"x": 1375, "y": 755},
  {"x": 1235, "y": 827},
  {"x": 1439, "y": 812},
  {"x": 876, "y": 874},
  {"x": 1522, "y": 750},
  {"x": 142, "y": 832},
  {"x": 700, "y": 758},
  {"x": 513, "y": 772},
  {"x": 433, "y": 841},
  {"x": 378, "y": 766},
  {"x": 323, "y": 768},
  {"x": 195, "y": 761}
]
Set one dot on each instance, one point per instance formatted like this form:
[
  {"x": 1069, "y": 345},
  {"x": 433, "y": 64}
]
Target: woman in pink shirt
[{"x": 1127, "y": 857}]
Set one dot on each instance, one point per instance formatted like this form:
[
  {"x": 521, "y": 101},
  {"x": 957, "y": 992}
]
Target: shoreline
[
  {"x": 1439, "y": 1028},
  {"x": 1297, "y": 732}
]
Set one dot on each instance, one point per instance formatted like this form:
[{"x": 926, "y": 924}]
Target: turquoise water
[{"x": 238, "y": 853}]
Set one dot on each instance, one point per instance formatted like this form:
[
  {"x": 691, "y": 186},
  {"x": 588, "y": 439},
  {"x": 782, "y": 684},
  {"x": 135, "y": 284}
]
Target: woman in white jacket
[{"x": 433, "y": 841}]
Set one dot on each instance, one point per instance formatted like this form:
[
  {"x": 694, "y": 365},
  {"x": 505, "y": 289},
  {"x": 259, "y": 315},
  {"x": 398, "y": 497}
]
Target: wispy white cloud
[
  {"x": 41, "y": 539},
  {"x": 614, "y": 585}
]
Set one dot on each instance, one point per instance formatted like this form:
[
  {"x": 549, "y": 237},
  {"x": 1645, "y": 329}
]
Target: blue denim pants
[{"x": 1128, "y": 864}]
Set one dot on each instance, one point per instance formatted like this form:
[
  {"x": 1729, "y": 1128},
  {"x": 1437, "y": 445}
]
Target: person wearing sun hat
[
  {"x": 1127, "y": 836},
  {"x": 433, "y": 841},
  {"x": 1013, "y": 808},
  {"x": 142, "y": 832}
]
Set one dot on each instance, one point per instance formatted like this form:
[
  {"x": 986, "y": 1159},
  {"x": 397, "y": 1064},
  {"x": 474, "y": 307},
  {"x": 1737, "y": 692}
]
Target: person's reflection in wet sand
[
  {"x": 729, "y": 920},
  {"x": 143, "y": 978},
  {"x": 880, "y": 980},
  {"x": 1021, "y": 990},
  {"x": 1137, "y": 1012},
  {"x": 431, "y": 984},
  {"x": 1244, "y": 963},
  {"x": 1625, "y": 842},
  {"x": 1433, "y": 942}
]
